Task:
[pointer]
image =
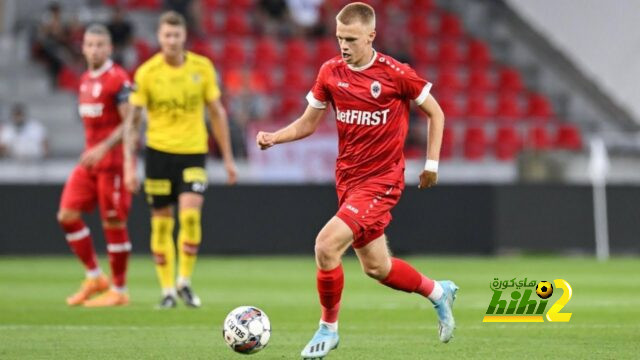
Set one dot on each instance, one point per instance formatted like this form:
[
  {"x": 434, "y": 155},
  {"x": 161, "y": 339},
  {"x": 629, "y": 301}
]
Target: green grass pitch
[{"x": 376, "y": 322}]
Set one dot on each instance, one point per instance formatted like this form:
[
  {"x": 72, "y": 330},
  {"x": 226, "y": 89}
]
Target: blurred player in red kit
[
  {"x": 370, "y": 93},
  {"x": 97, "y": 179}
]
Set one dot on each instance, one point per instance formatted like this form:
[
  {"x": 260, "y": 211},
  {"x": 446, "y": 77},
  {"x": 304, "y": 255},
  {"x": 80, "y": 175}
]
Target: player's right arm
[
  {"x": 299, "y": 129},
  {"x": 130, "y": 138}
]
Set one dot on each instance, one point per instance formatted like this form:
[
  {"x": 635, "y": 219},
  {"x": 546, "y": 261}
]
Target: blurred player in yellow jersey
[{"x": 175, "y": 86}]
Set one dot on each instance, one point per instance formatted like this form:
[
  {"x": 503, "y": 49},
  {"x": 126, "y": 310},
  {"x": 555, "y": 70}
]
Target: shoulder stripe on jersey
[
  {"x": 423, "y": 94},
  {"x": 315, "y": 103}
]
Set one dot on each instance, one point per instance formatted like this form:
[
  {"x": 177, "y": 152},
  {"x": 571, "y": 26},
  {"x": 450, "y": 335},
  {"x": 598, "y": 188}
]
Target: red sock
[
  {"x": 79, "y": 239},
  {"x": 330, "y": 284},
  {"x": 118, "y": 247},
  {"x": 405, "y": 277}
]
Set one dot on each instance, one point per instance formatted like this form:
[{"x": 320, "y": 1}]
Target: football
[
  {"x": 246, "y": 329},
  {"x": 544, "y": 289}
]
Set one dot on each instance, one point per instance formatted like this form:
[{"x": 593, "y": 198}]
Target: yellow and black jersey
[{"x": 175, "y": 99}]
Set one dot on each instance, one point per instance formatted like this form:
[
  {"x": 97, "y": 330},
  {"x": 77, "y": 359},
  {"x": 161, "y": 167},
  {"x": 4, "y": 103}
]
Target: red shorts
[
  {"x": 366, "y": 207},
  {"x": 85, "y": 188}
]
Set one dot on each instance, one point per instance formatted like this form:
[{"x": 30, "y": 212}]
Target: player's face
[
  {"x": 355, "y": 41},
  {"x": 96, "y": 49},
  {"x": 172, "y": 39}
]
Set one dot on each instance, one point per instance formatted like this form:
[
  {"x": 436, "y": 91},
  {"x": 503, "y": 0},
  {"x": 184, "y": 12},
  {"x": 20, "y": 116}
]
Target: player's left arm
[
  {"x": 220, "y": 131},
  {"x": 429, "y": 175}
]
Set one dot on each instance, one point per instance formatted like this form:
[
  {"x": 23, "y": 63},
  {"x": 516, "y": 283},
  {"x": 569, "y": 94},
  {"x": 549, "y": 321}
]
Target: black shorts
[{"x": 169, "y": 175}]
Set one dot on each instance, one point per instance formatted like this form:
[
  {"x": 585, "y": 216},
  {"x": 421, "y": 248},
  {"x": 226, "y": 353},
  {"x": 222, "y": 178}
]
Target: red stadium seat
[
  {"x": 420, "y": 52},
  {"x": 266, "y": 52},
  {"x": 326, "y": 48},
  {"x": 210, "y": 5},
  {"x": 233, "y": 55},
  {"x": 448, "y": 80},
  {"x": 509, "y": 79},
  {"x": 236, "y": 23},
  {"x": 475, "y": 143},
  {"x": 143, "y": 50},
  {"x": 539, "y": 107},
  {"x": 568, "y": 137},
  {"x": 422, "y": 7},
  {"x": 263, "y": 81},
  {"x": 296, "y": 51},
  {"x": 200, "y": 45},
  {"x": 295, "y": 81},
  {"x": 538, "y": 138},
  {"x": 418, "y": 26},
  {"x": 145, "y": 4},
  {"x": 479, "y": 80},
  {"x": 507, "y": 143},
  {"x": 477, "y": 108},
  {"x": 291, "y": 105},
  {"x": 450, "y": 25},
  {"x": 449, "y": 52},
  {"x": 448, "y": 143},
  {"x": 450, "y": 107},
  {"x": 508, "y": 107},
  {"x": 478, "y": 54},
  {"x": 240, "y": 5}
]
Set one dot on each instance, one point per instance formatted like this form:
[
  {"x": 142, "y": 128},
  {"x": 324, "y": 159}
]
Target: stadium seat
[
  {"x": 143, "y": 50},
  {"x": 538, "y": 138},
  {"x": 475, "y": 143},
  {"x": 294, "y": 81},
  {"x": 507, "y": 143},
  {"x": 509, "y": 79},
  {"x": 212, "y": 5},
  {"x": 450, "y": 25},
  {"x": 233, "y": 55},
  {"x": 479, "y": 80},
  {"x": 450, "y": 107},
  {"x": 449, "y": 52},
  {"x": 145, "y": 4},
  {"x": 448, "y": 80},
  {"x": 448, "y": 143},
  {"x": 291, "y": 105},
  {"x": 296, "y": 51},
  {"x": 236, "y": 23},
  {"x": 508, "y": 107},
  {"x": 418, "y": 26},
  {"x": 243, "y": 6},
  {"x": 420, "y": 52},
  {"x": 200, "y": 45},
  {"x": 477, "y": 107},
  {"x": 478, "y": 54},
  {"x": 266, "y": 52},
  {"x": 326, "y": 48},
  {"x": 539, "y": 107},
  {"x": 568, "y": 138},
  {"x": 263, "y": 81},
  {"x": 422, "y": 7}
]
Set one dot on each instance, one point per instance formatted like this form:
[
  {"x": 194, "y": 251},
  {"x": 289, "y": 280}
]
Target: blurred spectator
[
  {"x": 52, "y": 41},
  {"x": 121, "y": 31},
  {"x": 306, "y": 15},
  {"x": 23, "y": 138},
  {"x": 273, "y": 18}
]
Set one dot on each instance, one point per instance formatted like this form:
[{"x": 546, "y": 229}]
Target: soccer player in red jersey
[
  {"x": 370, "y": 93},
  {"x": 97, "y": 179}
]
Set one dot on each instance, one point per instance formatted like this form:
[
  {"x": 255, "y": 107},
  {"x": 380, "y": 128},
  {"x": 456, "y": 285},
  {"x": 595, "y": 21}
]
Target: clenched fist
[
  {"x": 265, "y": 140},
  {"x": 428, "y": 179}
]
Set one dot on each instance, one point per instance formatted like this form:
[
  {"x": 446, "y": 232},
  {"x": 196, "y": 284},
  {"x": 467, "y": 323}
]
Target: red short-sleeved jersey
[
  {"x": 371, "y": 104},
  {"x": 100, "y": 93}
]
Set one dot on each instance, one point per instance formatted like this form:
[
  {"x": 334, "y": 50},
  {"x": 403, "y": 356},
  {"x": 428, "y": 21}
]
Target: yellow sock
[
  {"x": 189, "y": 238},
  {"x": 164, "y": 250}
]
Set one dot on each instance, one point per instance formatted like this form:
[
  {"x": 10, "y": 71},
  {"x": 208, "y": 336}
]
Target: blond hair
[
  {"x": 357, "y": 11},
  {"x": 172, "y": 18}
]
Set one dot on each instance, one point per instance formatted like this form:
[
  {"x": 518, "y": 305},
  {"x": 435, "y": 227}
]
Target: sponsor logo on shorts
[{"x": 353, "y": 208}]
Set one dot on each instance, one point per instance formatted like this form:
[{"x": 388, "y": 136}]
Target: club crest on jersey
[
  {"x": 376, "y": 89},
  {"x": 96, "y": 90}
]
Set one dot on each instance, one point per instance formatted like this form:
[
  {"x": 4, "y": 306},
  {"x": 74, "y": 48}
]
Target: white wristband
[{"x": 431, "y": 165}]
